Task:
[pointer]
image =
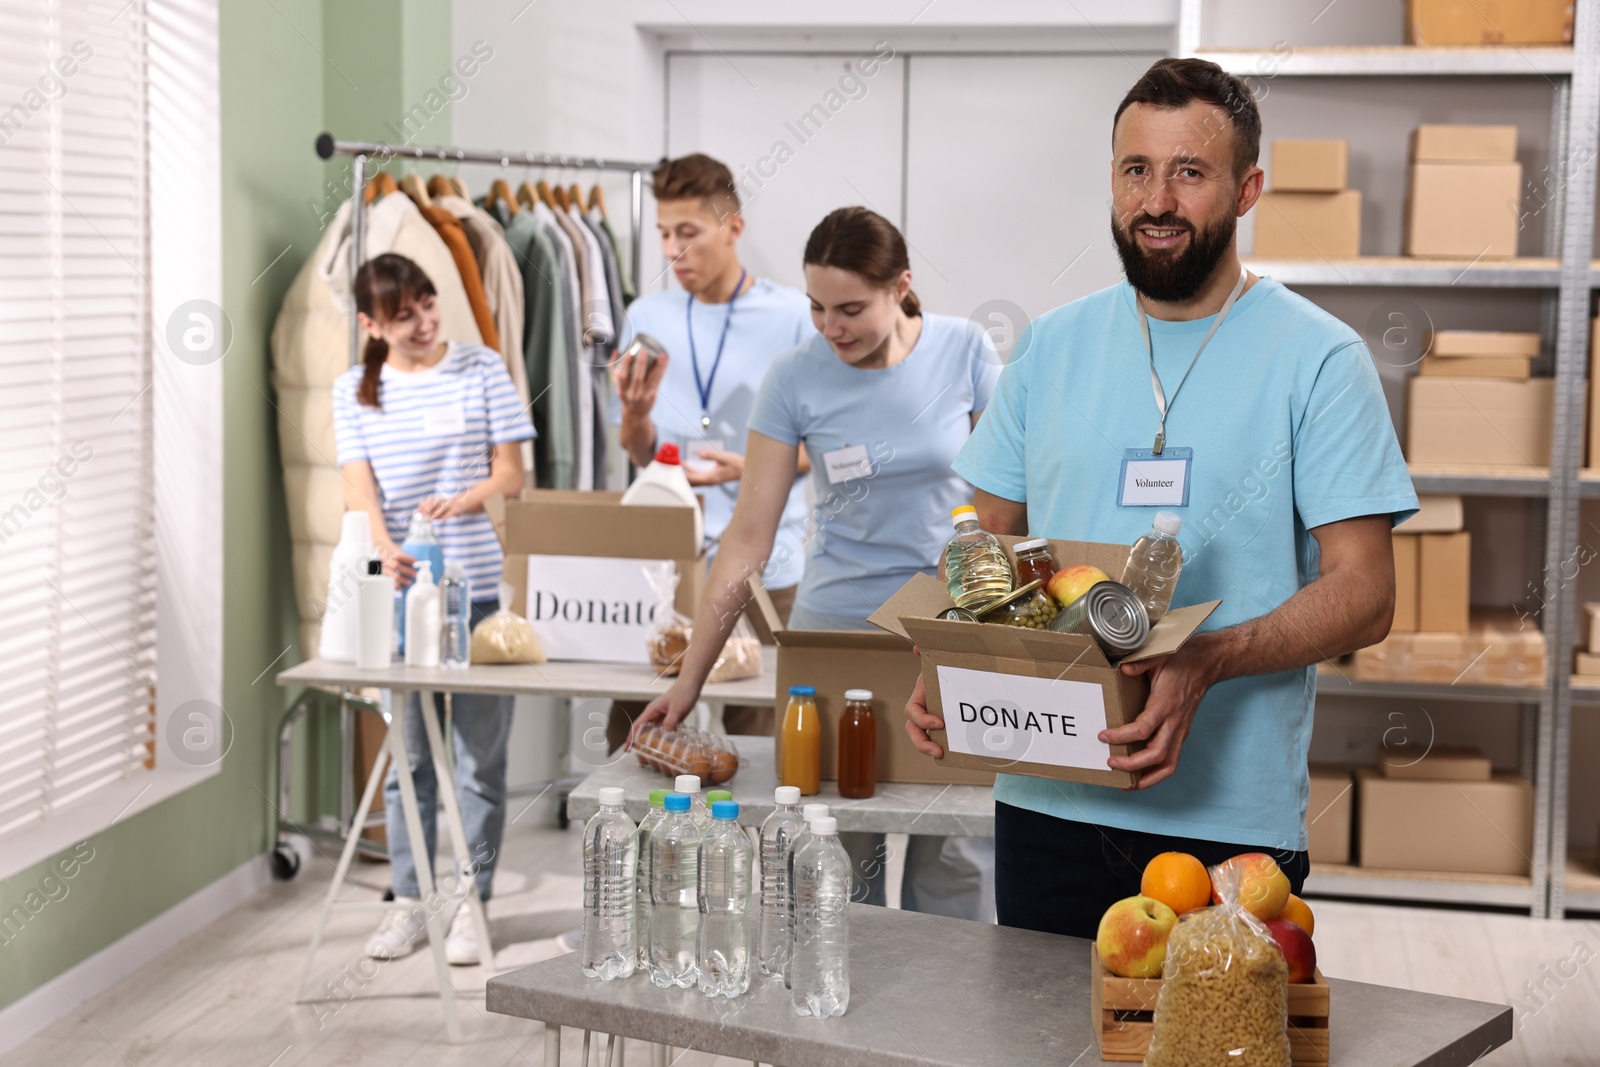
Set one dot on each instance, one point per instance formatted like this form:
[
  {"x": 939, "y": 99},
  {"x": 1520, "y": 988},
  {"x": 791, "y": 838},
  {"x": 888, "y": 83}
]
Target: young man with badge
[
  {"x": 721, "y": 331},
  {"x": 1199, "y": 388}
]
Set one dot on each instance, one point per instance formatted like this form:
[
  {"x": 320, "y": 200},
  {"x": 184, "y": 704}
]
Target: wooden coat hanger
[
  {"x": 460, "y": 187},
  {"x": 381, "y": 184},
  {"x": 597, "y": 198},
  {"x": 560, "y": 195},
  {"x": 575, "y": 194},
  {"x": 439, "y": 185},
  {"x": 411, "y": 185},
  {"x": 542, "y": 188},
  {"x": 528, "y": 194},
  {"x": 500, "y": 193}
]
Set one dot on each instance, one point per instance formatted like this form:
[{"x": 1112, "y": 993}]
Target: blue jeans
[{"x": 481, "y": 725}]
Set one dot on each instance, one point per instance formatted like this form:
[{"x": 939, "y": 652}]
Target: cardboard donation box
[
  {"x": 832, "y": 661},
  {"x": 1446, "y": 763},
  {"x": 1496, "y": 649},
  {"x": 1435, "y": 514},
  {"x": 1479, "y": 421},
  {"x": 1310, "y": 166},
  {"x": 1489, "y": 22},
  {"x": 1329, "y": 813},
  {"x": 1030, "y": 701},
  {"x": 1465, "y": 827},
  {"x": 1406, "y": 548},
  {"x": 578, "y": 566},
  {"x": 1295, "y": 225}
]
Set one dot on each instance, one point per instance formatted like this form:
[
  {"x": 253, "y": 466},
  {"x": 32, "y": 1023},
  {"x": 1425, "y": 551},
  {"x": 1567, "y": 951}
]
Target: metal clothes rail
[{"x": 329, "y": 146}]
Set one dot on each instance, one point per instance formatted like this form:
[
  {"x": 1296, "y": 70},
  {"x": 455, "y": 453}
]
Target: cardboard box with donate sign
[
  {"x": 1030, "y": 701},
  {"x": 577, "y": 561}
]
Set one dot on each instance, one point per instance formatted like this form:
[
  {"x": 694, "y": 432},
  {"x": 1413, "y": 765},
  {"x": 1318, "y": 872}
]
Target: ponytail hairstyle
[
  {"x": 383, "y": 286},
  {"x": 862, "y": 242}
]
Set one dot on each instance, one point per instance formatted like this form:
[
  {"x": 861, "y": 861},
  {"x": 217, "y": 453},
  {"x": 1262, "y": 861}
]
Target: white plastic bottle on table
[
  {"x": 663, "y": 484},
  {"x": 674, "y": 899},
  {"x": 455, "y": 596},
  {"x": 610, "y": 855},
  {"x": 422, "y": 619},
  {"x": 641, "y": 911},
  {"x": 340, "y": 626},
  {"x": 808, "y": 814},
  {"x": 722, "y": 956},
  {"x": 819, "y": 970},
  {"x": 1153, "y": 565},
  {"x": 976, "y": 568},
  {"x": 777, "y": 844},
  {"x": 699, "y": 811}
]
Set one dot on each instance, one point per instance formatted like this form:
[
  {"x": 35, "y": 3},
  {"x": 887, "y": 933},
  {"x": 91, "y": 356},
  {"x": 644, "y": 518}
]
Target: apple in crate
[
  {"x": 1263, "y": 887},
  {"x": 1132, "y": 937},
  {"x": 1070, "y": 583},
  {"x": 1297, "y": 948}
]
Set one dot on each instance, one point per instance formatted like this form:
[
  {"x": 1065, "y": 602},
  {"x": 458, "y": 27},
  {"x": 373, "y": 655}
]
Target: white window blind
[{"x": 77, "y": 537}]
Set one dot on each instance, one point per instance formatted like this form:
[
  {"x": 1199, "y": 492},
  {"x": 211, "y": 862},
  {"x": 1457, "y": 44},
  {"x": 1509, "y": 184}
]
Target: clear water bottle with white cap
[
  {"x": 699, "y": 810},
  {"x": 674, "y": 897},
  {"x": 455, "y": 638},
  {"x": 808, "y": 814},
  {"x": 777, "y": 844},
  {"x": 1153, "y": 565},
  {"x": 610, "y": 854},
  {"x": 819, "y": 970},
  {"x": 722, "y": 956}
]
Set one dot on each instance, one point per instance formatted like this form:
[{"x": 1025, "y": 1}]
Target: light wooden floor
[{"x": 222, "y": 997}]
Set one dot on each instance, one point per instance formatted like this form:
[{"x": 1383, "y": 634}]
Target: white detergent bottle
[
  {"x": 340, "y": 630},
  {"x": 663, "y": 484},
  {"x": 423, "y": 619}
]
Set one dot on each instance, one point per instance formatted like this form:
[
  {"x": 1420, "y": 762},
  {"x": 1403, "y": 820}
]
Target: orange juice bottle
[{"x": 802, "y": 742}]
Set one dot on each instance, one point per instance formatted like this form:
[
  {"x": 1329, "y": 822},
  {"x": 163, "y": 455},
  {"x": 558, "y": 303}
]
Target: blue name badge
[{"x": 1152, "y": 481}]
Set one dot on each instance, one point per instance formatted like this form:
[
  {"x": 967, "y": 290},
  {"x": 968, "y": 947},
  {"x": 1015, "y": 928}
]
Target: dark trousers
[{"x": 1060, "y": 876}]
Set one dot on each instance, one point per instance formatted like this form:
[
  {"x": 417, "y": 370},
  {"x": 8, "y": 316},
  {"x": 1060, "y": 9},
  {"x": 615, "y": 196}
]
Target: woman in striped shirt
[{"x": 432, "y": 427}]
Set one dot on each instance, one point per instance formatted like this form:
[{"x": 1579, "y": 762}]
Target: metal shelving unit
[{"x": 1565, "y": 278}]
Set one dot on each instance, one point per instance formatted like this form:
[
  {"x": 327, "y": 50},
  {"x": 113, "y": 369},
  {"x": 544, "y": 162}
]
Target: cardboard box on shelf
[
  {"x": 1509, "y": 368},
  {"x": 1463, "y": 210},
  {"x": 1029, "y": 701},
  {"x": 1455, "y": 763},
  {"x": 1309, "y": 166},
  {"x": 1488, "y": 22},
  {"x": 1436, "y": 513},
  {"x": 1456, "y": 827},
  {"x": 1591, "y": 615},
  {"x": 1463, "y": 144},
  {"x": 1308, "y": 225},
  {"x": 1479, "y": 421},
  {"x": 1497, "y": 649},
  {"x": 1444, "y": 577},
  {"x": 1594, "y": 394},
  {"x": 576, "y": 563},
  {"x": 1586, "y": 664},
  {"x": 835, "y": 660},
  {"x": 1484, "y": 343},
  {"x": 1329, "y": 813},
  {"x": 1405, "y": 583}
]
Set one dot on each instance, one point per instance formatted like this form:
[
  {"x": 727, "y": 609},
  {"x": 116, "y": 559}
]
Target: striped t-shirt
[{"x": 433, "y": 437}]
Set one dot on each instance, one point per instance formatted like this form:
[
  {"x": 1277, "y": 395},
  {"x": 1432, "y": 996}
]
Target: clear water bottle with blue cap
[
  {"x": 674, "y": 900},
  {"x": 723, "y": 953},
  {"x": 610, "y": 851}
]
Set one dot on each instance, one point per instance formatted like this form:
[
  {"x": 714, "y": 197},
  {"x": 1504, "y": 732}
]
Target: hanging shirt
[
  {"x": 433, "y": 437},
  {"x": 768, "y": 320},
  {"x": 881, "y": 443},
  {"x": 1290, "y": 431}
]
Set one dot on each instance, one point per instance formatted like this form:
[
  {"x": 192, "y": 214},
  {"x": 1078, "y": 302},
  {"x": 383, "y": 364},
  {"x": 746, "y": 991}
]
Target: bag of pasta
[
  {"x": 506, "y": 637},
  {"x": 1224, "y": 996}
]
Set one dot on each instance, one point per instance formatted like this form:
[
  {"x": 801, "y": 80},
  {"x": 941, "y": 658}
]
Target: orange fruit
[
  {"x": 1298, "y": 912},
  {"x": 1178, "y": 880}
]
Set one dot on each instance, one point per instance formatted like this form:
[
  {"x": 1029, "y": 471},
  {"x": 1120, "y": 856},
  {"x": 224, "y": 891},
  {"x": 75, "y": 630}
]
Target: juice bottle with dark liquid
[{"x": 858, "y": 746}]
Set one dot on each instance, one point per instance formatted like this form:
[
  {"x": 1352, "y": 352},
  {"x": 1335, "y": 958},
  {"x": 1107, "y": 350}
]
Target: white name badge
[
  {"x": 844, "y": 464},
  {"x": 1152, "y": 481},
  {"x": 1027, "y": 720},
  {"x": 691, "y": 454},
  {"x": 446, "y": 420}
]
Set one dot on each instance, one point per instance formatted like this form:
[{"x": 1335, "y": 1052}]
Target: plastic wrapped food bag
[
  {"x": 506, "y": 637},
  {"x": 686, "y": 751},
  {"x": 670, "y": 639},
  {"x": 1224, "y": 996}
]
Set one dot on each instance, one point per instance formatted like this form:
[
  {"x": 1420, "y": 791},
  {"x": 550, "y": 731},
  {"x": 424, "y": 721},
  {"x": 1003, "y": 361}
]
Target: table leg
[
  {"x": 436, "y": 923},
  {"x": 552, "y": 1045},
  {"x": 658, "y": 1056},
  {"x": 615, "y": 1050},
  {"x": 458, "y": 831}
]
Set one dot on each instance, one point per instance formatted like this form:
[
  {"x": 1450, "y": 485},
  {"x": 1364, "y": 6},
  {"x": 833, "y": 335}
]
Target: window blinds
[{"x": 77, "y": 589}]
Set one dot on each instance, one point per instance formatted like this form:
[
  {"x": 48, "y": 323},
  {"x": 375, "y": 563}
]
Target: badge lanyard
[
  {"x": 694, "y": 357},
  {"x": 1164, "y": 405}
]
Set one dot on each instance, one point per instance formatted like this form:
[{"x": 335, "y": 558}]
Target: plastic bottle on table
[
  {"x": 420, "y": 544},
  {"x": 808, "y": 814},
  {"x": 1153, "y": 565},
  {"x": 610, "y": 855},
  {"x": 858, "y": 746},
  {"x": 699, "y": 810},
  {"x": 422, "y": 619},
  {"x": 977, "y": 570},
  {"x": 777, "y": 843},
  {"x": 802, "y": 742},
  {"x": 455, "y": 597},
  {"x": 641, "y": 882},
  {"x": 340, "y": 626},
  {"x": 674, "y": 898},
  {"x": 819, "y": 970},
  {"x": 722, "y": 956},
  {"x": 664, "y": 484}
]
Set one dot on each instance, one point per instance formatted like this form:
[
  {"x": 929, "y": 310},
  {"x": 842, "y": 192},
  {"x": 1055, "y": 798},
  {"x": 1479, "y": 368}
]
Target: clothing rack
[{"x": 328, "y": 147}]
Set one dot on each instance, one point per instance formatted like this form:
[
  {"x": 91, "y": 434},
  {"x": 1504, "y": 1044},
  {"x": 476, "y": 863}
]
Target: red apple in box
[
  {"x": 1298, "y": 951},
  {"x": 1263, "y": 887},
  {"x": 1070, "y": 583},
  {"x": 1132, "y": 937}
]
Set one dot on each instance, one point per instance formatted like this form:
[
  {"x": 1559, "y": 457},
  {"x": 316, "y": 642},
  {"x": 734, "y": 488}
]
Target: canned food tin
[
  {"x": 1111, "y": 614},
  {"x": 958, "y": 615}
]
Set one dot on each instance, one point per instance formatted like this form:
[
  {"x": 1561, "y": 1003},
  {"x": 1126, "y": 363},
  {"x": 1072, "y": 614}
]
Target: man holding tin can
[{"x": 1259, "y": 419}]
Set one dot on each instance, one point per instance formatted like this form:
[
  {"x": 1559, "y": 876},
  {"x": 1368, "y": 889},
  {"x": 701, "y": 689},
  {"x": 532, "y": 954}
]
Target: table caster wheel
[
  {"x": 285, "y": 862},
  {"x": 561, "y": 813}
]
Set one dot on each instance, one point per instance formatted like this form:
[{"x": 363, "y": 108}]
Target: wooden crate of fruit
[{"x": 1124, "y": 1012}]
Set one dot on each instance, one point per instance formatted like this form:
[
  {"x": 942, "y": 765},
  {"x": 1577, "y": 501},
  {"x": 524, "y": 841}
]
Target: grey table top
[
  {"x": 895, "y": 807},
  {"x": 927, "y": 991},
  {"x": 606, "y": 681}
]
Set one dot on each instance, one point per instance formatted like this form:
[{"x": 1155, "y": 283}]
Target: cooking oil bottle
[{"x": 975, "y": 564}]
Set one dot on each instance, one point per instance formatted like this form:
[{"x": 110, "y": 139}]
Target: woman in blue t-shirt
[
  {"x": 883, "y": 398},
  {"x": 433, "y": 427}
]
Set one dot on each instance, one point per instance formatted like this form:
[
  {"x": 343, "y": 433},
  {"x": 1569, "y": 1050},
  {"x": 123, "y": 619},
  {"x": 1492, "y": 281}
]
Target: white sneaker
[
  {"x": 461, "y": 943},
  {"x": 400, "y": 932}
]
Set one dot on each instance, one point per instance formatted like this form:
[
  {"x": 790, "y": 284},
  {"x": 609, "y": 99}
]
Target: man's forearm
[{"x": 638, "y": 438}]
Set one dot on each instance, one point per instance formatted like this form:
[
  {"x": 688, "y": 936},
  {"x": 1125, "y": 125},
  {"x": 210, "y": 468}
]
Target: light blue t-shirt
[
  {"x": 1290, "y": 431},
  {"x": 874, "y": 532},
  {"x": 767, "y": 321}
]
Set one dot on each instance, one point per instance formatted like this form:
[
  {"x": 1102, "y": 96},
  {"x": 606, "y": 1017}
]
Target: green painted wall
[{"x": 282, "y": 84}]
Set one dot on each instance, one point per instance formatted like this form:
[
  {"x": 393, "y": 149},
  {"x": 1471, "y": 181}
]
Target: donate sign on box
[
  {"x": 1011, "y": 717},
  {"x": 592, "y": 608}
]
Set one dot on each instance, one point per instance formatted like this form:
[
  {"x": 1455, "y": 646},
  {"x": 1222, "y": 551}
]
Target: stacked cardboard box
[
  {"x": 1329, "y": 813},
  {"x": 1443, "y": 810},
  {"x": 1594, "y": 393},
  {"x": 1488, "y": 22},
  {"x": 1432, "y": 564},
  {"x": 1480, "y": 354},
  {"x": 1497, "y": 648},
  {"x": 1309, "y": 213},
  {"x": 1464, "y": 422},
  {"x": 1466, "y": 192},
  {"x": 1588, "y": 657}
]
